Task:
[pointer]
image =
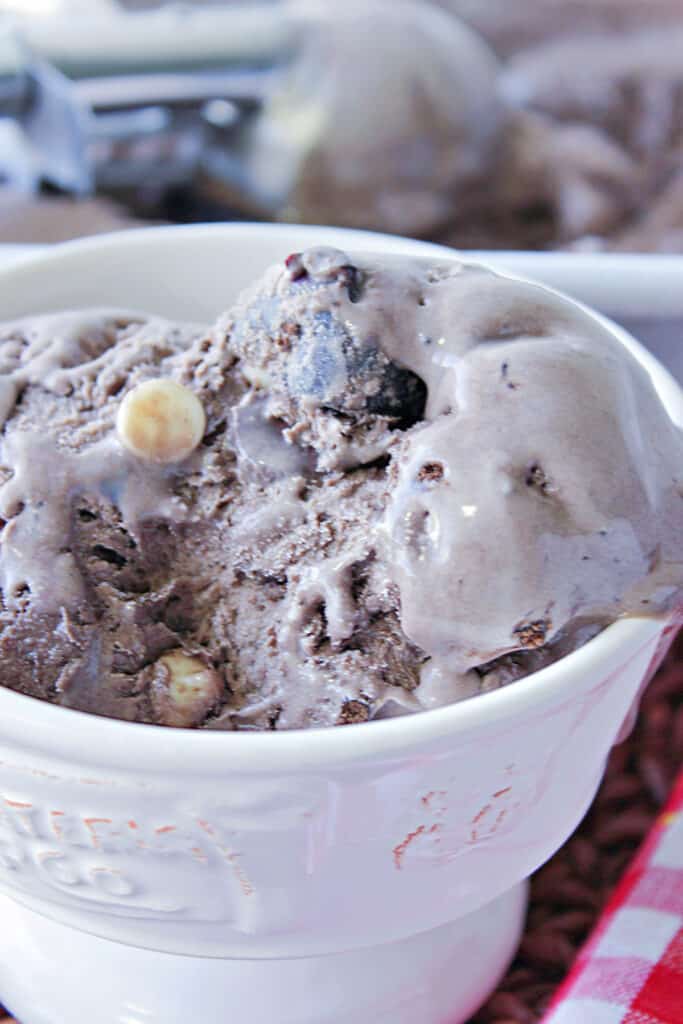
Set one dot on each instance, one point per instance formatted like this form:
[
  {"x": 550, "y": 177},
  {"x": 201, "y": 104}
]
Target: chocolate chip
[
  {"x": 114, "y": 387},
  {"x": 348, "y": 377},
  {"x": 536, "y": 478},
  {"x": 402, "y": 397},
  {"x": 504, "y": 371},
  {"x": 295, "y": 266},
  {"x": 289, "y": 332},
  {"x": 532, "y": 634},
  {"x": 352, "y": 279},
  {"x": 105, "y": 554},
  {"x": 214, "y": 434},
  {"x": 430, "y": 472},
  {"x": 353, "y": 711}
]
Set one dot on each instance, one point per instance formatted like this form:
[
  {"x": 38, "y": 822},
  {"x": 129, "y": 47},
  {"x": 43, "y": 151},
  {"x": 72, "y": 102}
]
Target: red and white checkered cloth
[{"x": 631, "y": 969}]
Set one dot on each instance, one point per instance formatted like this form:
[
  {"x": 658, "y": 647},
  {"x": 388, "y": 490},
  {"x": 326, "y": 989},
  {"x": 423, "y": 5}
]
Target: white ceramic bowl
[{"x": 371, "y": 874}]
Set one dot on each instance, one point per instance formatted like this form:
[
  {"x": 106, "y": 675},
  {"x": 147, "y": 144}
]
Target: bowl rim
[{"x": 69, "y": 733}]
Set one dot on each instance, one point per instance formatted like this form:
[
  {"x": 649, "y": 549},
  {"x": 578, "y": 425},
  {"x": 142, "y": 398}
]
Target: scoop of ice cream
[
  {"x": 535, "y": 484},
  {"x": 376, "y": 485},
  {"x": 389, "y": 109}
]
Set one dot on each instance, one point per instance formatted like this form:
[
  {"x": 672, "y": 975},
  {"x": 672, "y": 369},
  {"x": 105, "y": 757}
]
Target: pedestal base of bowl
[{"x": 52, "y": 974}]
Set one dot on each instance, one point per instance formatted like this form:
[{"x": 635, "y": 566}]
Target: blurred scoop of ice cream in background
[{"x": 386, "y": 115}]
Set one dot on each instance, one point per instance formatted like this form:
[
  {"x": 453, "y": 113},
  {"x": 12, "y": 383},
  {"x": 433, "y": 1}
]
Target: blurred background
[{"x": 539, "y": 124}]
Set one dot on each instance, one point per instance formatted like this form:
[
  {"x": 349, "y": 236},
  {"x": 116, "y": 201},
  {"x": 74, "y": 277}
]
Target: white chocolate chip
[
  {"x": 161, "y": 421},
  {"x": 184, "y": 689}
]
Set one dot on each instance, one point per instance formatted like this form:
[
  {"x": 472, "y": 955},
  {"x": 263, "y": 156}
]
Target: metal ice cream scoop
[{"x": 367, "y": 113}]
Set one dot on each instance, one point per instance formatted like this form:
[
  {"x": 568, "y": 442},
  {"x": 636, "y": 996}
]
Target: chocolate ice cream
[{"x": 376, "y": 485}]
